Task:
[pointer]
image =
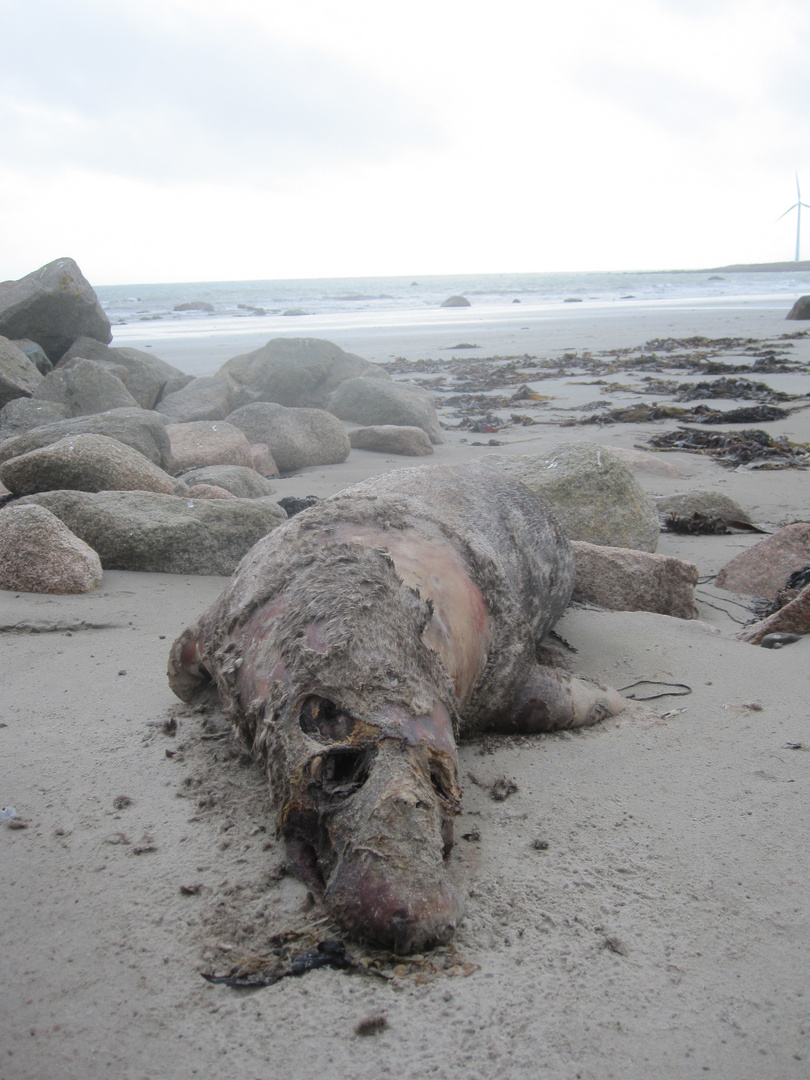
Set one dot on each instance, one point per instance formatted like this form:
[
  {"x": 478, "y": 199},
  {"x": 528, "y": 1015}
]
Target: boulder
[
  {"x": 141, "y": 530},
  {"x": 144, "y": 384},
  {"x": 242, "y": 482},
  {"x": 52, "y": 306},
  {"x": 85, "y": 387},
  {"x": 763, "y": 569},
  {"x": 639, "y": 461},
  {"x": 392, "y": 439},
  {"x": 209, "y": 397},
  {"x": 36, "y": 354},
  {"x": 374, "y": 402},
  {"x": 144, "y": 431},
  {"x": 169, "y": 378},
  {"x": 801, "y": 309},
  {"x": 19, "y": 377},
  {"x": 263, "y": 461},
  {"x": 25, "y": 413},
  {"x": 623, "y": 579},
  {"x": 207, "y": 443},
  {"x": 456, "y": 301},
  {"x": 708, "y": 503},
  {"x": 41, "y": 555},
  {"x": 297, "y": 372},
  {"x": 595, "y": 496},
  {"x": 84, "y": 463},
  {"x": 209, "y": 491},
  {"x": 296, "y": 437},
  {"x": 793, "y": 618},
  {"x": 194, "y": 305}
]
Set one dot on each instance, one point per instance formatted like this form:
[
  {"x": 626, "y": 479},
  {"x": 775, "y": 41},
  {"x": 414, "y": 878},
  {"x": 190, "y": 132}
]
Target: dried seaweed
[
  {"x": 733, "y": 388},
  {"x": 285, "y": 958},
  {"x": 701, "y": 414},
  {"x": 696, "y": 524},
  {"x": 752, "y": 447}
]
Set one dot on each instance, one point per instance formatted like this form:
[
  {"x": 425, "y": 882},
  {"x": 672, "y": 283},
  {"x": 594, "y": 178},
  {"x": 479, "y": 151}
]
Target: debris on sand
[
  {"x": 696, "y": 524},
  {"x": 752, "y": 447},
  {"x": 702, "y": 414},
  {"x": 734, "y": 389},
  {"x": 286, "y": 958}
]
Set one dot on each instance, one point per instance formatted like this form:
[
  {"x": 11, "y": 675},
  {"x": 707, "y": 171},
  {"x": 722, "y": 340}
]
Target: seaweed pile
[
  {"x": 702, "y": 414},
  {"x": 752, "y": 447}
]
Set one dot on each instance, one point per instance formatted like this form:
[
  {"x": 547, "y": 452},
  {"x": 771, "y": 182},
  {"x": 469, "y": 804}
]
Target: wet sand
[{"x": 661, "y": 932}]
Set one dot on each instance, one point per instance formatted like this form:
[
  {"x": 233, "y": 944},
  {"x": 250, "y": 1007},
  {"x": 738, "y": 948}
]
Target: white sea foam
[{"x": 354, "y": 303}]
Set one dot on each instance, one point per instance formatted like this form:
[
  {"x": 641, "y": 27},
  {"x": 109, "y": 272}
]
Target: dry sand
[{"x": 663, "y": 932}]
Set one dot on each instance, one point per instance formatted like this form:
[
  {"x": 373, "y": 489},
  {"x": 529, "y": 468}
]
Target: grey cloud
[{"x": 87, "y": 86}]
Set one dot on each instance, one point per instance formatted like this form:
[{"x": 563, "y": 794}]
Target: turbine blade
[{"x": 788, "y": 211}]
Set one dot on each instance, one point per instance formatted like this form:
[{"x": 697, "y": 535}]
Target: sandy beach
[{"x": 638, "y": 908}]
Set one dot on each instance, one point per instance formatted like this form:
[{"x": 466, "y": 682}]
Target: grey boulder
[
  {"x": 708, "y": 503},
  {"x": 36, "y": 354},
  {"x": 165, "y": 377},
  {"x": 41, "y": 555},
  {"x": 25, "y": 413},
  {"x": 19, "y": 376},
  {"x": 52, "y": 306},
  {"x": 210, "y": 397},
  {"x": 297, "y": 438},
  {"x": 85, "y": 387},
  {"x": 141, "y": 530},
  {"x": 392, "y": 439},
  {"x": 594, "y": 495},
  {"x": 84, "y": 463},
  {"x": 297, "y": 372},
  {"x": 801, "y": 309},
  {"x": 244, "y": 483},
  {"x": 141, "y": 429},
  {"x": 374, "y": 402}
]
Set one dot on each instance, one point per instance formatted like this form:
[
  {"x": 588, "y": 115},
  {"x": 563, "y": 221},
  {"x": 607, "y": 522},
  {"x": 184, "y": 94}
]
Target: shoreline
[{"x": 200, "y": 349}]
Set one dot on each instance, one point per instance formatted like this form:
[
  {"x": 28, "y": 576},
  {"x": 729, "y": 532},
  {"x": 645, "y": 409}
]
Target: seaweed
[
  {"x": 752, "y": 447},
  {"x": 696, "y": 524}
]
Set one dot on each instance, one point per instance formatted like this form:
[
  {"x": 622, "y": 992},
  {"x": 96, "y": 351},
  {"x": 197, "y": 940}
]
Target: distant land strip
[{"x": 776, "y": 267}]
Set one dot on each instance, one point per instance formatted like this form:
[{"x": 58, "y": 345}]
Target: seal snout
[
  {"x": 399, "y": 913},
  {"x": 387, "y": 875}
]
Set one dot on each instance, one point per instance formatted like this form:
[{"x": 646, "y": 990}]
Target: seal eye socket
[{"x": 321, "y": 719}]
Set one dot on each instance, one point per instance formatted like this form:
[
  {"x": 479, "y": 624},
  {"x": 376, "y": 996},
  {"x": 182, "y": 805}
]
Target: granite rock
[
  {"x": 143, "y": 530},
  {"x": 41, "y": 555}
]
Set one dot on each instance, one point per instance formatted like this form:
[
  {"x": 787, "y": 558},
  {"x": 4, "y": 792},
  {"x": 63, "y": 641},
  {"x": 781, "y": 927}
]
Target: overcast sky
[{"x": 193, "y": 140}]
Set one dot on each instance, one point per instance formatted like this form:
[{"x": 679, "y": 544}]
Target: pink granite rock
[
  {"x": 763, "y": 569},
  {"x": 208, "y": 442},
  {"x": 42, "y": 555},
  {"x": 623, "y": 579}
]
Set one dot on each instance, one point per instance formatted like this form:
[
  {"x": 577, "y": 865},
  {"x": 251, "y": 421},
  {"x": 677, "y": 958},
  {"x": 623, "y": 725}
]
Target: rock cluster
[{"x": 153, "y": 469}]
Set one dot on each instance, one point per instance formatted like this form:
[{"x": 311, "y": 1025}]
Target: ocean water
[{"x": 148, "y": 310}]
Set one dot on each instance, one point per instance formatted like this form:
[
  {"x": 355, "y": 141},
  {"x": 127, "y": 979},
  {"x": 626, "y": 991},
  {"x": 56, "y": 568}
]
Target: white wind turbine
[{"x": 798, "y": 207}]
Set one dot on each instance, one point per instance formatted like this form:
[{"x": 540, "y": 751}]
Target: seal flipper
[
  {"x": 189, "y": 675},
  {"x": 553, "y": 700}
]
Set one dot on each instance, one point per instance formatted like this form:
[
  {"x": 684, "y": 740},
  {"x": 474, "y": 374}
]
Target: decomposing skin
[{"x": 352, "y": 648}]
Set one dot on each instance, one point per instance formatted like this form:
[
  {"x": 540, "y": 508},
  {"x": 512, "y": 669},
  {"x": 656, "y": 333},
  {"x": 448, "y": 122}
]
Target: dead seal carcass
[{"x": 353, "y": 646}]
